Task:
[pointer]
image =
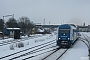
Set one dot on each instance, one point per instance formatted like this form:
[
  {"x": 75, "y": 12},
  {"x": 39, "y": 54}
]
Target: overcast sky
[{"x": 54, "y": 11}]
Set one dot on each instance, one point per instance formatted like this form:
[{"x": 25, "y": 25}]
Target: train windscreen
[{"x": 64, "y": 30}]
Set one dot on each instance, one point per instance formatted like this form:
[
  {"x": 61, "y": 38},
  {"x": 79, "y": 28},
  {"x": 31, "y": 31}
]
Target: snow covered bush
[
  {"x": 11, "y": 47},
  {"x": 27, "y": 43},
  {"x": 21, "y": 44}
]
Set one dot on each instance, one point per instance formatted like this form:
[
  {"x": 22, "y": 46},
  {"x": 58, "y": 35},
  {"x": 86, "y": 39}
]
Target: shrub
[
  {"x": 11, "y": 47},
  {"x": 21, "y": 44}
]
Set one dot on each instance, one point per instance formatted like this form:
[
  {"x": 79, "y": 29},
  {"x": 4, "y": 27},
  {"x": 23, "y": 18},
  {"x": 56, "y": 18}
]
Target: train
[{"x": 67, "y": 34}]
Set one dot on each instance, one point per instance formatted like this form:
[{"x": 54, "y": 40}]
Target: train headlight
[
  {"x": 68, "y": 38},
  {"x": 63, "y": 34},
  {"x": 59, "y": 38}
]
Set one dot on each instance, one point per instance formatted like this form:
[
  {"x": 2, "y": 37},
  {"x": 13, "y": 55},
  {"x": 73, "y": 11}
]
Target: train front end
[{"x": 63, "y": 36}]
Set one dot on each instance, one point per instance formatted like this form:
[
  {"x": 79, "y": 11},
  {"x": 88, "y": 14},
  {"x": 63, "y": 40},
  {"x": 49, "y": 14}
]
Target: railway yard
[
  {"x": 43, "y": 47},
  {"x": 45, "y": 30}
]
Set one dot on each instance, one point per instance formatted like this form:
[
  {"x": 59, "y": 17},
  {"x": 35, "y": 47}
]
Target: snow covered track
[
  {"x": 17, "y": 40},
  {"x": 62, "y": 54},
  {"x": 54, "y": 49},
  {"x": 56, "y": 55},
  {"x": 50, "y": 54},
  {"x": 29, "y": 51},
  {"x": 86, "y": 37}
]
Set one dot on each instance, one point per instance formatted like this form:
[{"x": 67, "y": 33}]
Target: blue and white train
[{"x": 66, "y": 35}]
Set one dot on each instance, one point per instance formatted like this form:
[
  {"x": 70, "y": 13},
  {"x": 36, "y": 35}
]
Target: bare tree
[
  {"x": 12, "y": 23},
  {"x": 25, "y": 24}
]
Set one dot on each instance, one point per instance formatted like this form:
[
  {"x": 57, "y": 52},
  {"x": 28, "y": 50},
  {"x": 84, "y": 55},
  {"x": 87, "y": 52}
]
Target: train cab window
[{"x": 64, "y": 30}]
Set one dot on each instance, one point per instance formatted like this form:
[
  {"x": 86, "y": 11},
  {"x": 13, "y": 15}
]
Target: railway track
[
  {"x": 29, "y": 51},
  {"x": 86, "y": 38},
  {"x": 56, "y": 55},
  {"x": 17, "y": 40},
  {"x": 35, "y": 55},
  {"x": 38, "y": 53},
  {"x": 62, "y": 54}
]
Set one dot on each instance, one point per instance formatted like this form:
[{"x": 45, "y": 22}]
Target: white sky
[{"x": 54, "y": 11}]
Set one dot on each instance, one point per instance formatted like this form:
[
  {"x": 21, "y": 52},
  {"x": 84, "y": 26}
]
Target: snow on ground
[
  {"x": 26, "y": 42},
  {"x": 78, "y": 52},
  {"x": 9, "y": 39},
  {"x": 32, "y": 42}
]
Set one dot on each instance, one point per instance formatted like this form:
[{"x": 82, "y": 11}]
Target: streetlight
[{"x": 3, "y": 20}]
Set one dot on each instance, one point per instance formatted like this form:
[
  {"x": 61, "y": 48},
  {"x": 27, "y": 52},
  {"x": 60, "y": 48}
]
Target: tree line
[{"x": 23, "y": 23}]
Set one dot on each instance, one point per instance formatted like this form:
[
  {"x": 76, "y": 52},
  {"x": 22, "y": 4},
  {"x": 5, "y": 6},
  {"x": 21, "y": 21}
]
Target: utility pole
[
  {"x": 63, "y": 21},
  {"x": 44, "y": 22},
  {"x": 49, "y": 22},
  {"x": 4, "y": 23}
]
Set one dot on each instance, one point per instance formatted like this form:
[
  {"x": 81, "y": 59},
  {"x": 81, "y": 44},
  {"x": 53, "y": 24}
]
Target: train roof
[
  {"x": 67, "y": 26},
  {"x": 73, "y": 25}
]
